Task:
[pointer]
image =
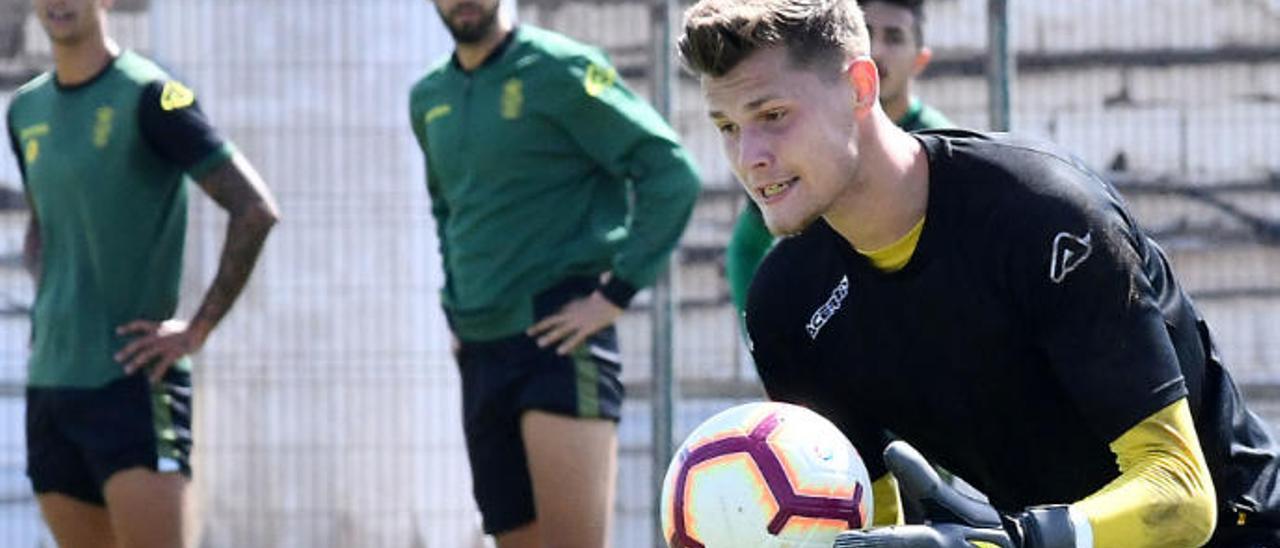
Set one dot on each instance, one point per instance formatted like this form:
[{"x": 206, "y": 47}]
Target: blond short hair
[{"x": 719, "y": 34}]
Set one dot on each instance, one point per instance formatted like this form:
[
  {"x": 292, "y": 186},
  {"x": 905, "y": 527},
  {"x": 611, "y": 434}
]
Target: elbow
[
  {"x": 266, "y": 215},
  {"x": 683, "y": 186},
  {"x": 692, "y": 191},
  {"x": 1200, "y": 507},
  {"x": 693, "y": 183},
  {"x": 260, "y": 217},
  {"x": 270, "y": 214},
  {"x": 1189, "y": 521},
  {"x": 686, "y": 194},
  {"x": 1201, "y": 512},
  {"x": 675, "y": 164}
]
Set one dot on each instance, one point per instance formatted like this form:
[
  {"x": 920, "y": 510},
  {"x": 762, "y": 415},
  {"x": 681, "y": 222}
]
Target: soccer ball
[{"x": 764, "y": 474}]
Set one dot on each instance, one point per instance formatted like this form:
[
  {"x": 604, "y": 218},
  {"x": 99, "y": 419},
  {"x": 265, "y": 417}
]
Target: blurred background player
[
  {"x": 897, "y": 47},
  {"x": 532, "y": 146},
  {"x": 104, "y": 142},
  {"x": 985, "y": 298},
  {"x": 896, "y": 30}
]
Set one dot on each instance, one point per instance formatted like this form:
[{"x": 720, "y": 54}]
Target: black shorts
[
  {"x": 504, "y": 378},
  {"x": 78, "y": 437}
]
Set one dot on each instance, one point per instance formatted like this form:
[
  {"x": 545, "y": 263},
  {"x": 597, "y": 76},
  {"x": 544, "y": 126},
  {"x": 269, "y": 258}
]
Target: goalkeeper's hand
[{"x": 955, "y": 520}]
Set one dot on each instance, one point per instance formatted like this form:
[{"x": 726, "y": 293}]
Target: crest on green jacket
[
  {"x": 512, "y": 98},
  {"x": 598, "y": 79}
]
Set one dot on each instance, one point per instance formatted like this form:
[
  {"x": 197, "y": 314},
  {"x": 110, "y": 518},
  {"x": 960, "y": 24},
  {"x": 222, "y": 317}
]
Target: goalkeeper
[{"x": 986, "y": 298}]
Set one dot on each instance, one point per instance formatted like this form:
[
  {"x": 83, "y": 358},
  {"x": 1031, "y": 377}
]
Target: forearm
[
  {"x": 1164, "y": 495},
  {"x": 246, "y": 234},
  {"x": 239, "y": 190}
]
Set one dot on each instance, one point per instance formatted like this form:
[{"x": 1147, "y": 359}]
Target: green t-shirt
[
  {"x": 103, "y": 165},
  {"x": 542, "y": 164},
  {"x": 751, "y": 240},
  {"x": 921, "y": 116}
]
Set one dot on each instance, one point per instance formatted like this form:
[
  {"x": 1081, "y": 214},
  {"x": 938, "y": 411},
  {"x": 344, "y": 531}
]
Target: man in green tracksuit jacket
[
  {"x": 557, "y": 194},
  {"x": 897, "y": 47}
]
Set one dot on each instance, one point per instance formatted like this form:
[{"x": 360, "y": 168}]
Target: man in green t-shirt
[
  {"x": 897, "y": 47},
  {"x": 557, "y": 194},
  {"x": 104, "y": 142}
]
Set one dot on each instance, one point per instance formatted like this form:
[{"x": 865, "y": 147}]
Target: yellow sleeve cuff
[
  {"x": 1164, "y": 496},
  {"x": 887, "y": 503}
]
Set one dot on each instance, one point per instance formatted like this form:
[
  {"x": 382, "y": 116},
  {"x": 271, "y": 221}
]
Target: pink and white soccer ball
[{"x": 764, "y": 474}]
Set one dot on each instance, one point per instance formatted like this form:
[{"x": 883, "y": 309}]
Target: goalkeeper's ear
[{"x": 918, "y": 481}]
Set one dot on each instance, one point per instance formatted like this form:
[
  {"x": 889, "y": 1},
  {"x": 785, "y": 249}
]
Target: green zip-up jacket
[
  {"x": 542, "y": 164},
  {"x": 103, "y": 165}
]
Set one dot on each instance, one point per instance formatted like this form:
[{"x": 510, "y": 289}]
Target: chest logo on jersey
[
  {"x": 828, "y": 309},
  {"x": 102, "y": 126},
  {"x": 30, "y": 137},
  {"x": 1069, "y": 251},
  {"x": 512, "y": 99},
  {"x": 436, "y": 112},
  {"x": 31, "y": 152}
]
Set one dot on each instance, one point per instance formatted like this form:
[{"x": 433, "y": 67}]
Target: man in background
[
  {"x": 104, "y": 142},
  {"x": 557, "y": 194}
]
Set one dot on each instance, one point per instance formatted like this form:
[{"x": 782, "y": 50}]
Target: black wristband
[
  {"x": 618, "y": 292},
  {"x": 1042, "y": 527}
]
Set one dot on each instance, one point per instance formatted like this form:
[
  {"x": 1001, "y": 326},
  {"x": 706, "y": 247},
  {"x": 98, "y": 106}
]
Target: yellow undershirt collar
[{"x": 894, "y": 256}]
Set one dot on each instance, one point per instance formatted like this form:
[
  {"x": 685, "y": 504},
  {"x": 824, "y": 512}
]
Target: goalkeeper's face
[
  {"x": 789, "y": 133},
  {"x": 469, "y": 21}
]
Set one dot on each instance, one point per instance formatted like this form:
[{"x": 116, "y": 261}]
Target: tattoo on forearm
[{"x": 239, "y": 190}]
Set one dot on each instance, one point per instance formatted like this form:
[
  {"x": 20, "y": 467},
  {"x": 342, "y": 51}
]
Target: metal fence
[{"x": 327, "y": 409}]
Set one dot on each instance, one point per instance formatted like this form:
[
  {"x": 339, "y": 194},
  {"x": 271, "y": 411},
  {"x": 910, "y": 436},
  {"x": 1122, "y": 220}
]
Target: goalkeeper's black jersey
[{"x": 1034, "y": 324}]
